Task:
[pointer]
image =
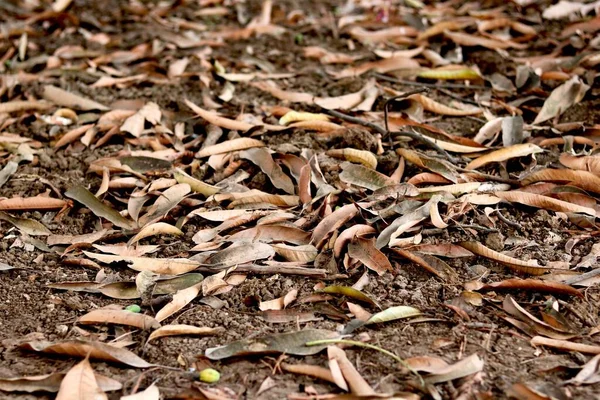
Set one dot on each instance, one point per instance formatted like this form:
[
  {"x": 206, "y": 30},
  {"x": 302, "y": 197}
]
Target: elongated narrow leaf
[
  {"x": 465, "y": 367},
  {"x": 506, "y": 153},
  {"x": 529, "y": 267},
  {"x": 163, "y": 266},
  {"x": 120, "y": 317},
  {"x": 364, "y": 177},
  {"x": 82, "y": 349},
  {"x": 26, "y": 225},
  {"x": 180, "y": 299},
  {"x": 365, "y": 251},
  {"x": 51, "y": 383},
  {"x": 349, "y": 292},
  {"x": 196, "y": 185},
  {"x": 393, "y": 314},
  {"x": 262, "y": 158},
  {"x": 87, "y": 198},
  {"x": 293, "y": 343},
  {"x": 545, "y": 202},
  {"x": 183, "y": 330}
]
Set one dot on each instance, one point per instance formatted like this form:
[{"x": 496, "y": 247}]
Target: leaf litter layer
[{"x": 284, "y": 154}]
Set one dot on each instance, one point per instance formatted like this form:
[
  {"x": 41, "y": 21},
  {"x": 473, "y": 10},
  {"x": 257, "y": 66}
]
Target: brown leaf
[
  {"x": 547, "y": 203},
  {"x": 184, "y": 330},
  {"x": 66, "y": 99},
  {"x": 279, "y": 303},
  {"x": 180, "y": 299},
  {"x": 358, "y": 385},
  {"x": 273, "y": 233},
  {"x": 80, "y": 384},
  {"x": 583, "y": 179},
  {"x": 465, "y": 367},
  {"x": 51, "y": 383},
  {"x": 530, "y": 267},
  {"x": 381, "y": 66},
  {"x": 262, "y": 158},
  {"x": 227, "y": 123},
  {"x": 163, "y": 266},
  {"x": 506, "y": 153},
  {"x": 26, "y": 225},
  {"x": 120, "y": 317},
  {"x": 565, "y": 345},
  {"x": 514, "y": 309},
  {"x": 562, "y": 98},
  {"x": 304, "y": 253},
  {"x": 229, "y": 146},
  {"x": 240, "y": 254},
  {"x": 293, "y": 343},
  {"x": 87, "y": 198},
  {"x": 365, "y": 251},
  {"x": 10, "y": 107},
  {"x": 81, "y": 349},
  {"x": 355, "y": 231},
  {"x": 332, "y": 222},
  {"x": 364, "y": 177},
  {"x": 533, "y": 285}
]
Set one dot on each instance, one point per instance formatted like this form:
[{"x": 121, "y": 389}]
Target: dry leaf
[
  {"x": 365, "y": 251},
  {"x": 517, "y": 150},
  {"x": 120, "y": 317},
  {"x": 183, "y": 330},
  {"x": 66, "y": 99},
  {"x": 180, "y": 299},
  {"x": 80, "y": 384}
]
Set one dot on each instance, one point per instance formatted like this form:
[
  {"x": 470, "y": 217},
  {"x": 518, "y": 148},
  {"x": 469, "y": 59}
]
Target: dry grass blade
[
  {"x": 530, "y": 267},
  {"x": 547, "y": 203},
  {"x": 119, "y": 317},
  {"x": 517, "y": 150}
]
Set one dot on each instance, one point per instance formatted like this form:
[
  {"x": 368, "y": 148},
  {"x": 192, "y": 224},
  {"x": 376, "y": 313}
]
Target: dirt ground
[{"x": 30, "y": 310}]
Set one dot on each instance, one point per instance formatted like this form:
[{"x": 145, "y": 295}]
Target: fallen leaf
[
  {"x": 561, "y": 99},
  {"x": 82, "y": 349},
  {"x": 87, "y": 198},
  {"x": 465, "y": 367},
  {"x": 262, "y": 158},
  {"x": 120, "y": 317},
  {"x": 506, "y": 153},
  {"x": 158, "y": 228},
  {"x": 180, "y": 299},
  {"x": 183, "y": 330},
  {"x": 63, "y": 98},
  {"x": 293, "y": 343},
  {"x": 530, "y": 267},
  {"x": 150, "y": 393},
  {"x": 163, "y": 266},
  {"x": 365, "y": 251},
  {"x": 80, "y": 384},
  {"x": 26, "y": 225}
]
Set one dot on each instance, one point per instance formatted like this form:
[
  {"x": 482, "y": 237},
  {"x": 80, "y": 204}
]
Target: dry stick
[{"x": 430, "y": 85}]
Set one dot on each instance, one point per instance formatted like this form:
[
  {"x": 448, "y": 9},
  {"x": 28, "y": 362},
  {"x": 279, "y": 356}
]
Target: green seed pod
[
  {"x": 133, "y": 308},
  {"x": 210, "y": 375}
]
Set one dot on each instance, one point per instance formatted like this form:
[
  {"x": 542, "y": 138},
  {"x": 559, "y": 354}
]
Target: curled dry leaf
[
  {"x": 82, "y": 349},
  {"x": 295, "y": 116},
  {"x": 279, "y": 303},
  {"x": 332, "y": 222},
  {"x": 582, "y": 179},
  {"x": 293, "y": 343},
  {"x": 514, "y": 309},
  {"x": 533, "y": 285},
  {"x": 439, "y": 108},
  {"x": 229, "y": 146},
  {"x": 273, "y": 233},
  {"x": 363, "y": 157},
  {"x": 314, "y": 371},
  {"x": 506, "y": 153},
  {"x": 165, "y": 203},
  {"x": 530, "y": 267},
  {"x": 355, "y": 231},
  {"x": 183, "y": 330},
  {"x": 547, "y": 203},
  {"x": 349, "y": 292},
  {"x": 226, "y": 123},
  {"x": 565, "y": 345},
  {"x": 304, "y": 254},
  {"x": 440, "y": 167},
  {"x": 381, "y": 66},
  {"x": 80, "y": 384},
  {"x": 120, "y": 317},
  {"x": 196, "y": 185},
  {"x": 158, "y": 228},
  {"x": 583, "y": 163},
  {"x": 364, "y": 177}
]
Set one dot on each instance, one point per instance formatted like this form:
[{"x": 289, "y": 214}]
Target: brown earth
[{"x": 29, "y": 309}]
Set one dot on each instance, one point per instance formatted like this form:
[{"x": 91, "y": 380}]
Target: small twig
[
  {"x": 430, "y": 85},
  {"x": 368, "y": 346}
]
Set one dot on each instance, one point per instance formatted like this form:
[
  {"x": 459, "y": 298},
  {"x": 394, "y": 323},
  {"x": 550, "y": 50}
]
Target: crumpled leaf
[
  {"x": 262, "y": 158},
  {"x": 364, "y": 177},
  {"x": 293, "y": 343},
  {"x": 365, "y": 251},
  {"x": 465, "y": 367},
  {"x": 506, "y": 153}
]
